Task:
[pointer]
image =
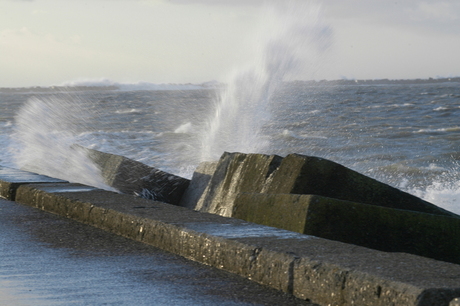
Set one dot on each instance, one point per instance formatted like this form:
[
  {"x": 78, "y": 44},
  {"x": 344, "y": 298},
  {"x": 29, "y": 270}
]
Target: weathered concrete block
[
  {"x": 132, "y": 177},
  {"x": 300, "y": 174},
  {"x": 198, "y": 184},
  {"x": 377, "y": 227},
  {"x": 330, "y": 284},
  {"x": 235, "y": 173}
]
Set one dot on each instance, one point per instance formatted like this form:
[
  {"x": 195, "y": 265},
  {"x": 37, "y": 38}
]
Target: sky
[{"x": 56, "y": 42}]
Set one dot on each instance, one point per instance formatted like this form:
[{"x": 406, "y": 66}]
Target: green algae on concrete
[
  {"x": 377, "y": 227},
  {"x": 301, "y": 174}
]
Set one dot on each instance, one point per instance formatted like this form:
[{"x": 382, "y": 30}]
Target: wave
[
  {"x": 43, "y": 141},
  {"x": 440, "y": 130},
  {"x": 288, "y": 134},
  {"x": 129, "y": 111},
  {"x": 184, "y": 128}
]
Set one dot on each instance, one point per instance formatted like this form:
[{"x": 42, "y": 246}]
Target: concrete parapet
[
  {"x": 237, "y": 173},
  {"x": 300, "y": 174},
  {"x": 132, "y": 177},
  {"x": 377, "y": 227},
  {"x": 322, "y": 271}
]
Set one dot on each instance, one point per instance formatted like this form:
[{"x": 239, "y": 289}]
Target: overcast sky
[{"x": 51, "y": 42}]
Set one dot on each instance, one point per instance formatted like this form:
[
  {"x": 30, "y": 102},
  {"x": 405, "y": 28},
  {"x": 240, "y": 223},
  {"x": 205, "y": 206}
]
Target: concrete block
[
  {"x": 300, "y": 174},
  {"x": 132, "y": 177},
  {"x": 11, "y": 179},
  {"x": 200, "y": 180},
  {"x": 377, "y": 227},
  {"x": 235, "y": 173}
]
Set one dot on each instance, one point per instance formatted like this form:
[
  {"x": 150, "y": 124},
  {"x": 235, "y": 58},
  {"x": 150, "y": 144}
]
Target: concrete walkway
[{"x": 322, "y": 271}]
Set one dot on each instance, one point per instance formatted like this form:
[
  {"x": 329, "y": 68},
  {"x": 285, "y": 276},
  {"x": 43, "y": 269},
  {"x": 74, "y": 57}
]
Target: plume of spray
[
  {"x": 289, "y": 44},
  {"x": 44, "y": 141}
]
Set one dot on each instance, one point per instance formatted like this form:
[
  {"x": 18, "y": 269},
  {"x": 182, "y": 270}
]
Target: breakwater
[{"x": 323, "y": 271}]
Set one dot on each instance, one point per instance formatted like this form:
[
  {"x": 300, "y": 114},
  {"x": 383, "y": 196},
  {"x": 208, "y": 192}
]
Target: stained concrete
[
  {"x": 234, "y": 173},
  {"x": 319, "y": 270}
]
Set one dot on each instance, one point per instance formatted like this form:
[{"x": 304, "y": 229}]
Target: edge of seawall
[{"x": 315, "y": 269}]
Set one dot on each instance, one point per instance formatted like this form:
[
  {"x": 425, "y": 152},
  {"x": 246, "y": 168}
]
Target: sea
[{"x": 404, "y": 133}]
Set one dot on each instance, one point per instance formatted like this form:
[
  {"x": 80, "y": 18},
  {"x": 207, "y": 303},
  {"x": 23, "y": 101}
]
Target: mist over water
[{"x": 291, "y": 41}]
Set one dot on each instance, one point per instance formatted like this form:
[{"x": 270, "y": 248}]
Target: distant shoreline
[{"x": 45, "y": 89}]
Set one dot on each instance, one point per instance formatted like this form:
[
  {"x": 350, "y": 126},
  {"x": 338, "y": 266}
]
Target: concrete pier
[{"x": 322, "y": 271}]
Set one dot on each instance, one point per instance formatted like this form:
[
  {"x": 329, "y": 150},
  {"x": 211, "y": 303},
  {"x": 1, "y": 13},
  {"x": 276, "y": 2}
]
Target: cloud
[
  {"x": 435, "y": 17},
  {"x": 437, "y": 11},
  {"x": 220, "y": 2}
]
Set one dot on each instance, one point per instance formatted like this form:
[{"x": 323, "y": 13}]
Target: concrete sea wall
[
  {"x": 322, "y": 271},
  {"x": 318, "y": 197}
]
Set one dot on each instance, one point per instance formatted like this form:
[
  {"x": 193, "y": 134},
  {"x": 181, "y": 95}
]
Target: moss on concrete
[
  {"x": 300, "y": 174},
  {"x": 376, "y": 227}
]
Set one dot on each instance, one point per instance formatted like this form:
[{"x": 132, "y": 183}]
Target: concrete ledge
[
  {"x": 319, "y": 270},
  {"x": 11, "y": 179}
]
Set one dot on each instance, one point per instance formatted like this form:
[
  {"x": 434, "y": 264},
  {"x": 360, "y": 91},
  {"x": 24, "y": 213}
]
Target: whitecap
[
  {"x": 440, "y": 130},
  {"x": 184, "y": 128},
  {"x": 128, "y": 111}
]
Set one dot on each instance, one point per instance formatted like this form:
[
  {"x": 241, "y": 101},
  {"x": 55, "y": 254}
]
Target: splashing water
[
  {"x": 290, "y": 44},
  {"x": 44, "y": 141},
  {"x": 444, "y": 190}
]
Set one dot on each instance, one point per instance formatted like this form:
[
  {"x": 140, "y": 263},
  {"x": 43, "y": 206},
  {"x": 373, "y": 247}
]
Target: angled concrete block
[
  {"x": 381, "y": 228},
  {"x": 300, "y": 174},
  {"x": 133, "y": 177}
]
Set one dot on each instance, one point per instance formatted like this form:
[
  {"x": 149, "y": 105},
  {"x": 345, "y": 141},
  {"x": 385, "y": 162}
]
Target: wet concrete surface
[{"x": 49, "y": 260}]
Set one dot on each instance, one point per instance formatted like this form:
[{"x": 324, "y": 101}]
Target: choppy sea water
[{"x": 406, "y": 135}]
